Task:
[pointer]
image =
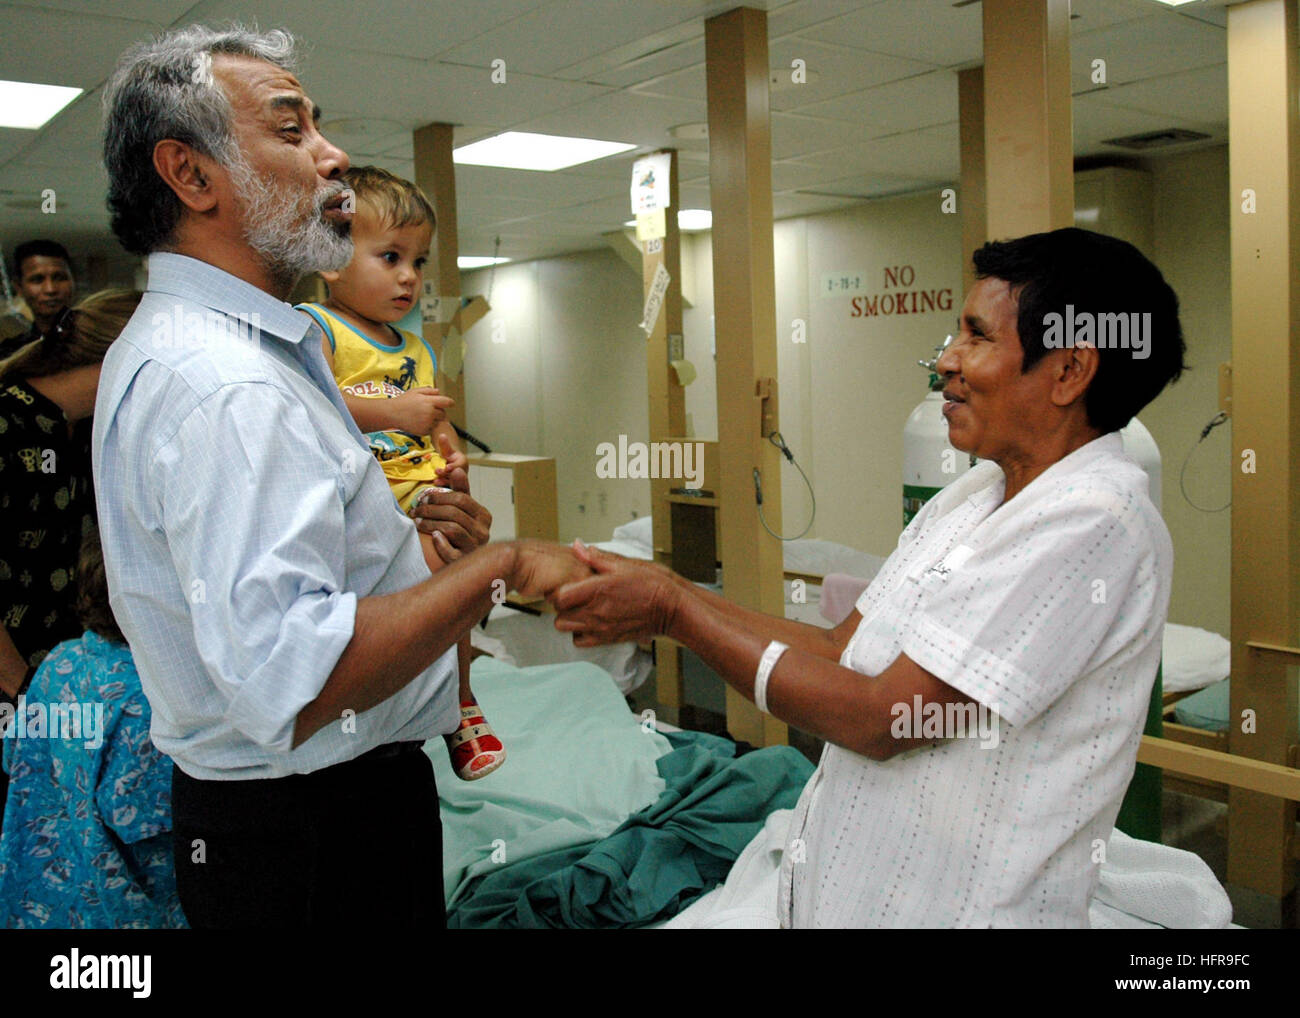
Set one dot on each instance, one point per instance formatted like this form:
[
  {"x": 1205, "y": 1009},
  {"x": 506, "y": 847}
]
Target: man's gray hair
[{"x": 164, "y": 88}]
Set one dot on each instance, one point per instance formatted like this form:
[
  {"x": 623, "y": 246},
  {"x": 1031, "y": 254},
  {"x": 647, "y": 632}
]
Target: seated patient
[
  {"x": 387, "y": 377},
  {"x": 87, "y": 834}
]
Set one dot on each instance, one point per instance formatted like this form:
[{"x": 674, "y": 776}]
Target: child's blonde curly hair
[{"x": 397, "y": 202}]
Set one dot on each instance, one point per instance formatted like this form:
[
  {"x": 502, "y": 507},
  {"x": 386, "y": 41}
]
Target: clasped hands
[{"x": 599, "y": 597}]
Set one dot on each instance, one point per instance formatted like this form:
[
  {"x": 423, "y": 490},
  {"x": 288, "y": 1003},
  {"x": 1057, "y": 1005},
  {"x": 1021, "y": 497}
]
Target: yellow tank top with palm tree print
[{"x": 373, "y": 370}]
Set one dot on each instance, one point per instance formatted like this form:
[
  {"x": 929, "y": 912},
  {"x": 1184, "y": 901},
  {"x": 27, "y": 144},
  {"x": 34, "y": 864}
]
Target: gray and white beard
[{"x": 290, "y": 243}]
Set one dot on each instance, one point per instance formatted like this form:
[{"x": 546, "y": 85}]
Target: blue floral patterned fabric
[{"x": 87, "y": 824}]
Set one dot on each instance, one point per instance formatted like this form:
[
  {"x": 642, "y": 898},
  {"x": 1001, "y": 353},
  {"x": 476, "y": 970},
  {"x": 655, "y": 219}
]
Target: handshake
[{"x": 599, "y": 597}]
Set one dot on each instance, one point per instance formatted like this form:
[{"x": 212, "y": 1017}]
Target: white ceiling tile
[
  {"x": 156, "y": 12},
  {"x": 787, "y": 176},
  {"x": 688, "y": 83},
  {"x": 1095, "y": 120},
  {"x": 75, "y": 135},
  {"x": 904, "y": 105},
  {"x": 418, "y": 29},
  {"x": 650, "y": 67},
  {"x": 785, "y": 206},
  {"x": 872, "y": 185},
  {"x": 420, "y": 92},
  {"x": 1090, "y": 15},
  {"x": 1146, "y": 48},
  {"x": 934, "y": 150},
  {"x": 623, "y": 116},
  {"x": 930, "y": 31},
  {"x": 794, "y": 135},
  {"x": 1201, "y": 94},
  {"x": 830, "y": 71},
  {"x": 550, "y": 190},
  {"x": 804, "y": 14},
  {"x": 695, "y": 196},
  {"x": 55, "y": 47},
  {"x": 562, "y": 34},
  {"x": 12, "y": 141}
]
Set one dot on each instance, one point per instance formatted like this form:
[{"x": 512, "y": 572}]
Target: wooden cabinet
[{"x": 519, "y": 492}]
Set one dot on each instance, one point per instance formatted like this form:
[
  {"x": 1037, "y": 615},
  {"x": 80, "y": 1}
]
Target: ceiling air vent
[{"x": 1156, "y": 139}]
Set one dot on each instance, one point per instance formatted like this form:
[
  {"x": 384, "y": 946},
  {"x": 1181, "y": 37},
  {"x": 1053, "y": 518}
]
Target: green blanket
[
  {"x": 659, "y": 860},
  {"x": 578, "y": 764}
]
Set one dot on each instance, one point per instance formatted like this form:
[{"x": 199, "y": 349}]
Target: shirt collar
[
  {"x": 1109, "y": 444},
  {"x": 205, "y": 284}
]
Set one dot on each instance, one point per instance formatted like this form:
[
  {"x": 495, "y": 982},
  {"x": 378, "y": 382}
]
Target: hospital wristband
[{"x": 765, "y": 665}]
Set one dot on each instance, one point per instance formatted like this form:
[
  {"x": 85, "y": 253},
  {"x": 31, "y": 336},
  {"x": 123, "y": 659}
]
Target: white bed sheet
[{"x": 1143, "y": 885}]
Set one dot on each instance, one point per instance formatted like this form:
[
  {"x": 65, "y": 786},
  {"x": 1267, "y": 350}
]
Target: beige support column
[
  {"x": 1027, "y": 126},
  {"x": 435, "y": 173},
  {"x": 667, "y": 416},
  {"x": 740, "y": 173},
  {"x": 1264, "y": 167},
  {"x": 973, "y": 200}
]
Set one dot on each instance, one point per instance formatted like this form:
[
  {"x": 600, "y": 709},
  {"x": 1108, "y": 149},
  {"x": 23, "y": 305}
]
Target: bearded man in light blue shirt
[{"x": 293, "y": 647}]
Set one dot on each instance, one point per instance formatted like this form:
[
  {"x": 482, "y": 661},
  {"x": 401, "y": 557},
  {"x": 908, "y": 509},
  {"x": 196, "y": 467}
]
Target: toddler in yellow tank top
[{"x": 387, "y": 378}]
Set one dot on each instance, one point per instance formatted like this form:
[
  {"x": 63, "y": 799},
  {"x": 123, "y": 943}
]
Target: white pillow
[
  {"x": 1193, "y": 658},
  {"x": 639, "y": 531},
  {"x": 817, "y": 558}
]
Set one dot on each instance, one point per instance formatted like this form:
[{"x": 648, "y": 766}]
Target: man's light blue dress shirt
[{"x": 242, "y": 516}]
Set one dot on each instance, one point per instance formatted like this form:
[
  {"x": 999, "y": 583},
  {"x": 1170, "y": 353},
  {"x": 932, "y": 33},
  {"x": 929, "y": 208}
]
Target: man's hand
[
  {"x": 625, "y": 599},
  {"x": 458, "y": 523},
  {"x": 416, "y": 411},
  {"x": 541, "y": 567}
]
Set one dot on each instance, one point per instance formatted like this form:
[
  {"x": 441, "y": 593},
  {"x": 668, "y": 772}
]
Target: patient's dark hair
[
  {"x": 92, "y": 590},
  {"x": 1100, "y": 275}
]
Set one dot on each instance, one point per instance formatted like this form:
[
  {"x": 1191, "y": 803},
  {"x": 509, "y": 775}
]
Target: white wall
[
  {"x": 569, "y": 374},
  {"x": 1192, "y": 250}
]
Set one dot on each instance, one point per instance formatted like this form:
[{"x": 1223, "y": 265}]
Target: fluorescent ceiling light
[
  {"x": 690, "y": 220},
  {"x": 518, "y": 150},
  {"x": 1174, "y": 3},
  {"x": 478, "y": 261},
  {"x": 29, "y": 106}
]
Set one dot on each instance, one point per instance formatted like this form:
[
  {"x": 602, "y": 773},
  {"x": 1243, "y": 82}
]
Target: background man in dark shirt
[{"x": 44, "y": 277}]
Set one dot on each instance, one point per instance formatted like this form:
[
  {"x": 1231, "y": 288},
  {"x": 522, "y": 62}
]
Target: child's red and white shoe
[{"x": 474, "y": 748}]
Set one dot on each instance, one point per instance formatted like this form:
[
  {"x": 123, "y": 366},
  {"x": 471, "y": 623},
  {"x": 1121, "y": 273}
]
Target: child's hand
[
  {"x": 456, "y": 460},
  {"x": 417, "y": 411}
]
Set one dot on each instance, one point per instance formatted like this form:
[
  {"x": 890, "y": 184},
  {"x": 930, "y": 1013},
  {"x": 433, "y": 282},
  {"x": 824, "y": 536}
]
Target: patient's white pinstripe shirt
[{"x": 1050, "y": 610}]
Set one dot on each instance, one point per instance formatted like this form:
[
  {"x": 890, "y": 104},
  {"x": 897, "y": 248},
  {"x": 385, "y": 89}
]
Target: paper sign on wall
[
  {"x": 439, "y": 309},
  {"x": 650, "y": 183},
  {"x": 454, "y": 349},
  {"x": 651, "y": 225},
  {"x": 435, "y": 308},
  {"x": 654, "y": 299}
]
